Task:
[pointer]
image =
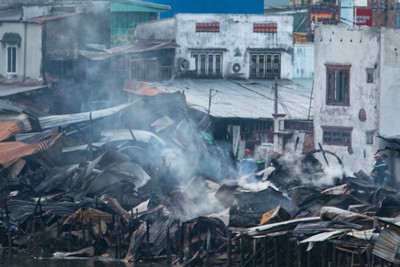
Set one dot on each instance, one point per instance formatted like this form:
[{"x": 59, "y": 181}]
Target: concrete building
[
  {"x": 356, "y": 93},
  {"x": 39, "y": 44},
  {"x": 227, "y": 45}
]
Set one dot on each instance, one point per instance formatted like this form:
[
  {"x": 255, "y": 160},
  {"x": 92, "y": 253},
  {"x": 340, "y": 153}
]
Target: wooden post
[
  {"x": 254, "y": 251},
  {"x": 229, "y": 248},
  {"x": 190, "y": 254},
  {"x": 276, "y": 255},
  {"x": 169, "y": 257},
  {"x": 147, "y": 241},
  {"x": 8, "y": 229},
  {"x": 265, "y": 239},
  {"x": 241, "y": 251},
  {"x": 298, "y": 255},
  {"x": 208, "y": 247}
]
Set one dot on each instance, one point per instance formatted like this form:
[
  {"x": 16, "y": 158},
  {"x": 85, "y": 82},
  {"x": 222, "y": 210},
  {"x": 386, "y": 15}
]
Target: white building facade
[
  {"x": 227, "y": 45},
  {"x": 356, "y": 92}
]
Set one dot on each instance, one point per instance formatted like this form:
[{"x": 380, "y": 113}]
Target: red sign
[{"x": 363, "y": 16}]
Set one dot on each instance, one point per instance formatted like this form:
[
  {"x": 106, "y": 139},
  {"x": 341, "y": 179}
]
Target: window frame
[
  {"x": 7, "y": 59},
  {"x": 203, "y": 70},
  {"x": 344, "y": 99},
  {"x": 266, "y": 69},
  {"x": 341, "y": 139},
  {"x": 62, "y": 68}
]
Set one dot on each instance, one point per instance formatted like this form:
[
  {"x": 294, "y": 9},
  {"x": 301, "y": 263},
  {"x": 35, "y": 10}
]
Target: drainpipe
[
  {"x": 24, "y": 51},
  {"x": 43, "y": 65}
]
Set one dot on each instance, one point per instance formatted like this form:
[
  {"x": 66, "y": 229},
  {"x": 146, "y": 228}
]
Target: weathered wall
[
  {"x": 359, "y": 47},
  {"x": 156, "y": 30},
  {"x": 303, "y": 60},
  {"x": 237, "y": 37},
  {"x": 29, "y": 52},
  {"x": 390, "y": 83}
]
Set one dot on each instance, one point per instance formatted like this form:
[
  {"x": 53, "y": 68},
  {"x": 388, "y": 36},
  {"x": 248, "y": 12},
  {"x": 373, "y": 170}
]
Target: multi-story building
[{"x": 356, "y": 92}]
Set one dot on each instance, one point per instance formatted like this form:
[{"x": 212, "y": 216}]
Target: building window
[
  {"x": 339, "y": 136},
  {"x": 208, "y": 64},
  {"x": 338, "y": 84},
  {"x": 265, "y": 27},
  {"x": 370, "y": 75},
  {"x": 207, "y": 27},
  {"x": 61, "y": 68},
  {"x": 12, "y": 59},
  {"x": 369, "y": 137},
  {"x": 265, "y": 65}
]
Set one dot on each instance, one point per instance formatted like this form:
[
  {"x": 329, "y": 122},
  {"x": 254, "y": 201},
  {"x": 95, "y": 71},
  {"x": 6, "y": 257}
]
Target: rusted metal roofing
[
  {"x": 387, "y": 246},
  {"x": 136, "y": 87},
  {"x": 134, "y": 47},
  {"x": 11, "y": 152},
  {"x": 43, "y": 19},
  {"x": 11, "y": 125}
]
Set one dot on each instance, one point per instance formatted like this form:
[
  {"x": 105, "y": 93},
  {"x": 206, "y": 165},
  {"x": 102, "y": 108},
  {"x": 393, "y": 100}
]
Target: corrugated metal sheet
[
  {"x": 259, "y": 230},
  {"x": 364, "y": 235},
  {"x": 136, "y": 6},
  {"x": 322, "y": 236},
  {"x": 49, "y": 122},
  {"x": 242, "y": 99},
  {"x": 387, "y": 246},
  {"x": 11, "y": 152},
  {"x": 51, "y": 17},
  {"x": 136, "y": 87},
  {"x": 7, "y": 90},
  {"x": 11, "y": 125},
  {"x": 134, "y": 47}
]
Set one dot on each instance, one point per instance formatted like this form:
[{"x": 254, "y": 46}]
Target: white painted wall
[
  {"x": 236, "y": 36},
  {"x": 29, "y": 53},
  {"x": 390, "y": 84},
  {"x": 303, "y": 60},
  {"x": 358, "y": 46}
]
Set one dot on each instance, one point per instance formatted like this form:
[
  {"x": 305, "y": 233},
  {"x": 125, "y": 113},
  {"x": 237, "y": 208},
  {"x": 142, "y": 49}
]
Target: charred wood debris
[{"x": 144, "y": 182}]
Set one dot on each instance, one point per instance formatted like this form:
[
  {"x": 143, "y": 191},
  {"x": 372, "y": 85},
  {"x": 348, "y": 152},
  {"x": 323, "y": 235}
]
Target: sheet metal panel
[{"x": 253, "y": 99}]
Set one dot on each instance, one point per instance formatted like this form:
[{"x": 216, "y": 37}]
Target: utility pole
[
  {"x": 309, "y": 20},
  {"x": 209, "y": 102},
  {"x": 276, "y": 95}
]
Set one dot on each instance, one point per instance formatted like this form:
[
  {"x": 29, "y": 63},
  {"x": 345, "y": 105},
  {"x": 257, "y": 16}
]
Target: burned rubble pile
[{"x": 145, "y": 182}]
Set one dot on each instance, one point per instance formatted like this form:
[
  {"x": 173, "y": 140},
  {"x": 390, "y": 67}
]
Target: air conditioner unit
[
  {"x": 187, "y": 64},
  {"x": 236, "y": 69}
]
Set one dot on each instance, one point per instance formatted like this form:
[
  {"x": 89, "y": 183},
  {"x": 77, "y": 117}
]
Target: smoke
[{"x": 312, "y": 170}]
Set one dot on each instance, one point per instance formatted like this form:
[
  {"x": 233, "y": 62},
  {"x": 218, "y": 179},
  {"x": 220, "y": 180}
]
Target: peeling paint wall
[
  {"x": 29, "y": 53},
  {"x": 303, "y": 60},
  {"x": 236, "y": 38},
  {"x": 390, "y": 83},
  {"x": 359, "y": 47}
]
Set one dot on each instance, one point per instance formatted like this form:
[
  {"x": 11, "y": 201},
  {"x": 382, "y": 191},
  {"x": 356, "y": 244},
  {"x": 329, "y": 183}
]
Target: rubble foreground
[{"x": 145, "y": 182}]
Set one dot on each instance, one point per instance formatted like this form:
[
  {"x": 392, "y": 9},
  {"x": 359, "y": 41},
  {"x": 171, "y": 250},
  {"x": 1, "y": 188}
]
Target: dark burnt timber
[{"x": 140, "y": 183}]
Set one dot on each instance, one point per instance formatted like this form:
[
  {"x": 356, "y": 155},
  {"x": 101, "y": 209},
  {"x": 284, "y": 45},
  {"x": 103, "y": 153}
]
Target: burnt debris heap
[{"x": 143, "y": 181}]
